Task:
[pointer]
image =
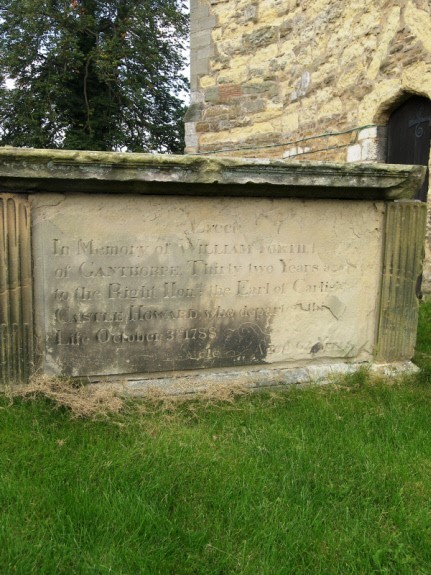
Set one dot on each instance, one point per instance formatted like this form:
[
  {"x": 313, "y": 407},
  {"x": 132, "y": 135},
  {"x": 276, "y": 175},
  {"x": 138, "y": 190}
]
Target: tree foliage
[{"x": 92, "y": 74}]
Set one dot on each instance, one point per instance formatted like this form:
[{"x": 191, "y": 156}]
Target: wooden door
[{"x": 409, "y": 137}]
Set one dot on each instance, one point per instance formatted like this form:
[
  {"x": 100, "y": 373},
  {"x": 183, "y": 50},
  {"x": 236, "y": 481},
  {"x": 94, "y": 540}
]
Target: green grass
[{"x": 318, "y": 481}]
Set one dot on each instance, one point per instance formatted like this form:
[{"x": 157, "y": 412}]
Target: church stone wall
[{"x": 274, "y": 77}]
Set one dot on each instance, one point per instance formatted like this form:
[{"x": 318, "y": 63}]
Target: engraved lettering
[
  {"x": 313, "y": 306},
  {"x": 200, "y": 333},
  {"x": 63, "y": 273},
  {"x": 89, "y": 248},
  {"x": 219, "y": 291},
  {"x": 92, "y": 270},
  {"x": 200, "y": 267},
  {"x": 117, "y": 291},
  {"x": 61, "y": 295},
  {"x": 216, "y": 228},
  {"x": 105, "y": 335},
  {"x": 260, "y": 312},
  {"x": 172, "y": 290},
  {"x": 224, "y": 249},
  {"x": 67, "y": 315},
  {"x": 74, "y": 339},
  {"x": 288, "y": 249},
  {"x": 219, "y": 313},
  {"x": 164, "y": 249},
  {"x": 245, "y": 288},
  {"x": 288, "y": 267},
  {"x": 82, "y": 293},
  {"x": 60, "y": 250},
  {"x": 142, "y": 313},
  {"x": 201, "y": 284},
  {"x": 280, "y": 289},
  {"x": 301, "y": 286},
  {"x": 260, "y": 269}
]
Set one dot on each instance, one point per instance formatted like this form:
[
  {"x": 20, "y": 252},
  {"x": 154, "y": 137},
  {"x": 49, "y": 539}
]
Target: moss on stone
[{"x": 87, "y": 171}]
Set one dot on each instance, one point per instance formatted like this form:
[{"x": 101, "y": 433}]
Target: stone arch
[{"x": 386, "y": 107}]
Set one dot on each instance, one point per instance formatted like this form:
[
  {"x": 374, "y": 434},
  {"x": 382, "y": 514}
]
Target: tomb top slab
[{"x": 32, "y": 170}]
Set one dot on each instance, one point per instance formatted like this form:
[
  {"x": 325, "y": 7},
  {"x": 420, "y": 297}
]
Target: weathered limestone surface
[
  {"x": 145, "y": 265},
  {"x": 154, "y": 285},
  {"x": 405, "y": 225},
  {"x": 94, "y": 172}
]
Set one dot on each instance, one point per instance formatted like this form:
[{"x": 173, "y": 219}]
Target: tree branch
[{"x": 87, "y": 104}]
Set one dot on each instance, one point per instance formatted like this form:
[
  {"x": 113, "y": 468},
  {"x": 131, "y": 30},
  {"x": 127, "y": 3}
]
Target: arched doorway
[{"x": 409, "y": 133}]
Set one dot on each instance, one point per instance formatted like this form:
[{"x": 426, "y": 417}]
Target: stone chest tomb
[{"x": 140, "y": 268}]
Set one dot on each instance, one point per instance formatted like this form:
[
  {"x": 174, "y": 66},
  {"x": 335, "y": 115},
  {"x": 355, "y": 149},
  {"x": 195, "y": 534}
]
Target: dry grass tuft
[
  {"x": 210, "y": 394},
  {"x": 83, "y": 401},
  {"x": 91, "y": 401}
]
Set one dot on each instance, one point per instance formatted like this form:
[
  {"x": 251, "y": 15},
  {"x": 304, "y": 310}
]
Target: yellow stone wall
[
  {"x": 305, "y": 79},
  {"x": 280, "y": 73}
]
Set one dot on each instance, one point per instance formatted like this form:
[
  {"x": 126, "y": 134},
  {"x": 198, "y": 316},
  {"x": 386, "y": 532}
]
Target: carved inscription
[{"x": 128, "y": 285}]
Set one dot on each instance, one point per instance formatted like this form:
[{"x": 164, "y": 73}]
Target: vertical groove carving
[
  {"x": 402, "y": 265},
  {"x": 16, "y": 306}
]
